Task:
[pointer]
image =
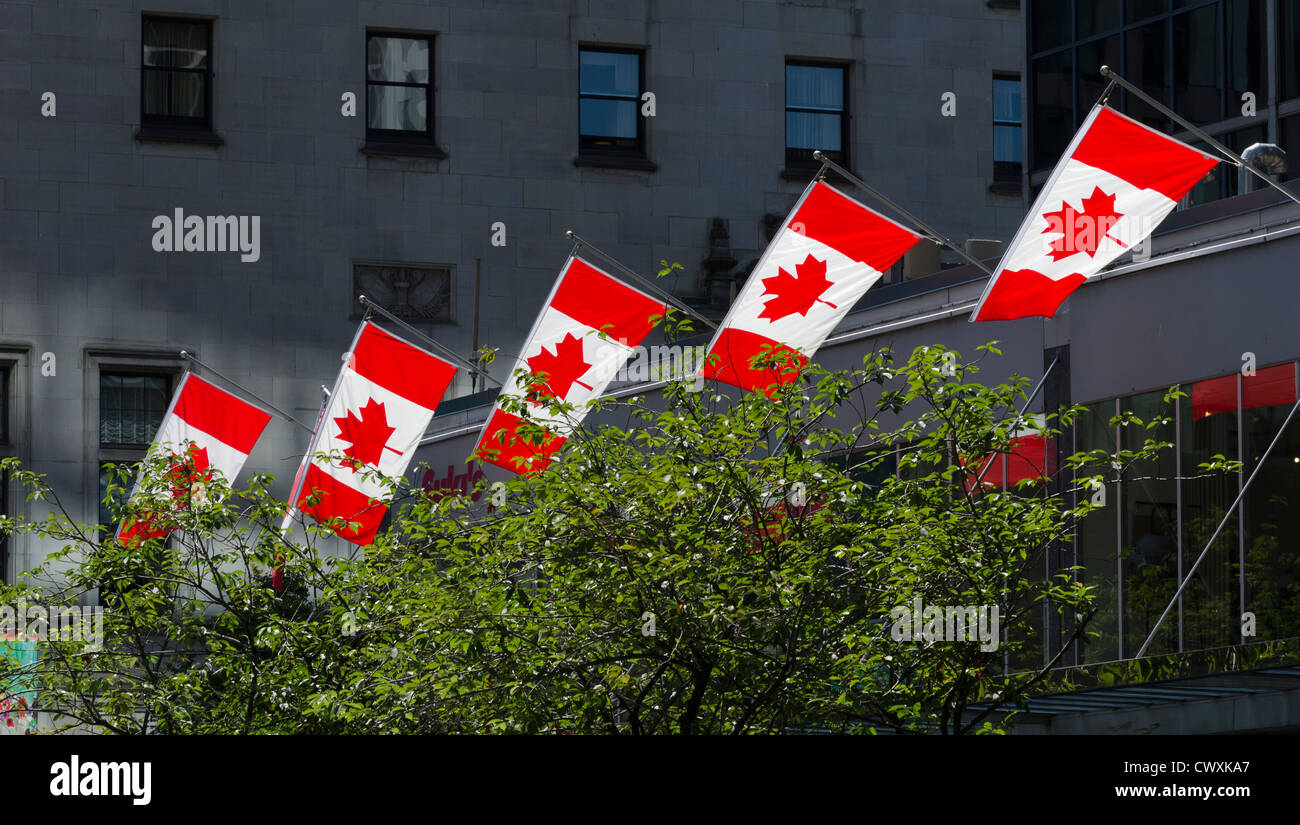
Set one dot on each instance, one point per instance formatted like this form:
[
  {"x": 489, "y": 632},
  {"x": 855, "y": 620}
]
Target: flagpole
[
  {"x": 1227, "y": 515},
  {"x": 933, "y": 234},
  {"x": 1231, "y": 155},
  {"x": 578, "y": 243},
  {"x": 284, "y": 415},
  {"x": 447, "y": 353},
  {"x": 301, "y": 477}
]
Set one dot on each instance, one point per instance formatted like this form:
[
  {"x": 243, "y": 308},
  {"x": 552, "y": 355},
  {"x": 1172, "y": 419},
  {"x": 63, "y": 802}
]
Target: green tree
[{"x": 711, "y": 565}]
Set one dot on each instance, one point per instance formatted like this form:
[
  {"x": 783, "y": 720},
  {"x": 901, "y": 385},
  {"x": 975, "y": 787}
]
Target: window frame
[
  {"x": 587, "y": 148},
  {"x": 10, "y": 365},
  {"x": 796, "y": 158},
  {"x": 181, "y": 123},
  {"x": 99, "y": 362},
  {"x": 1004, "y": 176},
  {"x": 409, "y": 137}
]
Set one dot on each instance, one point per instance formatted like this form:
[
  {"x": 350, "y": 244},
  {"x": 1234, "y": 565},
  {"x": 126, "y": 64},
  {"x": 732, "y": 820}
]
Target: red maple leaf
[
  {"x": 1083, "y": 230},
  {"x": 369, "y": 434},
  {"x": 796, "y": 294},
  {"x": 560, "y": 370},
  {"x": 189, "y": 468}
]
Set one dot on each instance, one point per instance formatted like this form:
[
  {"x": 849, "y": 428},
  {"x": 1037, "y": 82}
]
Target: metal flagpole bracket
[
  {"x": 931, "y": 234},
  {"x": 281, "y": 413},
  {"x": 473, "y": 368},
  {"x": 578, "y": 243},
  {"x": 1200, "y": 133}
]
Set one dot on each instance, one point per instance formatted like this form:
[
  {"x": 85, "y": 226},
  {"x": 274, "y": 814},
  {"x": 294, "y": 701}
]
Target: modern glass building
[{"x": 1229, "y": 66}]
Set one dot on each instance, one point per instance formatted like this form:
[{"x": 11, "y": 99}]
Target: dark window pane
[
  {"x": 4, "y": 417},
  {"x": 1289, "y": 128},
  {"x": 814, "y": 87},
  {"x": 1197, "y": 95},
  {"x": 1150, "y": 530},
  {"x": 155, "y": 97},
  {"x": 1051, "y": 22},
  {"x": 120, "y": 496},
  {"x": 1272, "y": 504},
  {"x": 398, "y": 107},
  {"x": 610, "y": 73},
  {"x": 397, "y": 59},
  {"x": 1091, "y": 57},
  {"x": 1211, "y": 187},
  {"x": 175, "y": 45},
  {"x": 607, "y": 118},
  {"x": 1053, "y": 108},
  {"x": 187, "y": 94},
  {"x": 1147, "y": 67},
  {"x": 1096, "y": 16},
  {"x": 1289, "y": 47},
  {"x": 1006, "y": 100},
  {"x": 1244, "y": 40},
  {"x": 1238, "y": 141},
  {"x": 812, "y": 131},
  {"x": 1209, "y": 428},
  {"x": 131, "y": 408},
  {"x": 1006, "y": 144},
  {"x": 1096, "y": 541},
  {"x": 1138, "y": 9}
]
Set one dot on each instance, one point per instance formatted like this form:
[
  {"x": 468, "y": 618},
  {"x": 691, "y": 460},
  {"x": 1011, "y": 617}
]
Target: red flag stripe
[
  {"x": 502, "y": 442},
  {"x": 736, "y": 348},
  {"x": 338, "y": 500},
  {"x": 401, "y": 368},
  {"x": 602, "y": 302},
  {"x": 1142, "y": 156},
  {"x": 231, "y": 420},
  {"x": 842, "y": 223}
]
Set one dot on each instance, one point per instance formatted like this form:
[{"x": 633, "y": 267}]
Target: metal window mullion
[
  {"x": 1074, "y": 538},
  {"x": 598, "y": 96},
  {"x": 1272, "y": 72},
  {"x": 1119, "y": 547},
  {"x": 397, "y": 83},
  {"x": 806, "y": 110},
  {"x": 1178, "y": 504},
  {"x": 1241, "y": 504}
]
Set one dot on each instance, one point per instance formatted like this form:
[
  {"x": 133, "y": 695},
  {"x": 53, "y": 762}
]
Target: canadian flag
[
  {"x": 587, "y": 330},
  {"x": 381, "y": 405},
  {"x": 829, "y": 251},
  {"x": 205, "y": 429},
  {"x": 1115, "y": 183}
]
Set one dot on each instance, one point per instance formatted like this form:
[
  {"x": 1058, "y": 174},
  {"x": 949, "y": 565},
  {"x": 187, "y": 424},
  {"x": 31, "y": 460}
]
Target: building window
[
  {"x": 399, "y": 87},
  {"x": 816, "y": 112},
  {"x": 4, "y": 478},
  {"x": 1161, "y": 515},
  {"x": 131, "y": 408},
  {"x": 1288, "y": 48},
  {"x": 416, "y": 293},
  {"x": 176, "y": 73},
  {"x": 610, "y": 83},
  {"x": 1196, "y": 57},
  {"x": 1006, "y": 131}
]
